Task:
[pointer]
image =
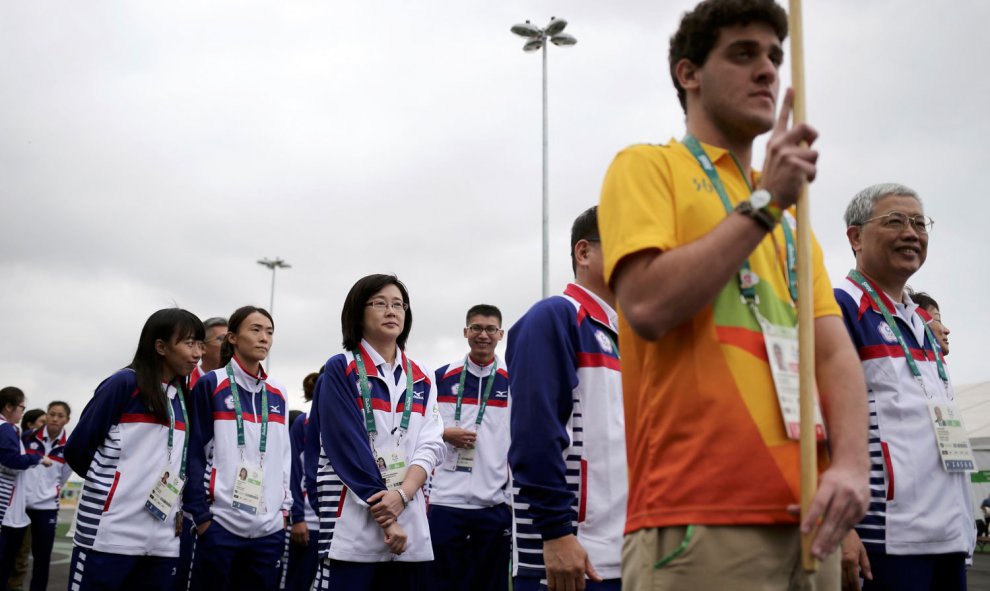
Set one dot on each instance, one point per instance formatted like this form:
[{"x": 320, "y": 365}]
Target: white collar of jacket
[
  {"x": 482, "y": 370},
  {"x": 246, "y": 379},
  {"x": 597, "y": 308},
  {"x": 369, "y": 353}
]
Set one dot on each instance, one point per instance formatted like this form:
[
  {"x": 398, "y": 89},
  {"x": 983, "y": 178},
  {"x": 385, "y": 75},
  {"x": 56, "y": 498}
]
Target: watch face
[{"x": 760, "y": 198}]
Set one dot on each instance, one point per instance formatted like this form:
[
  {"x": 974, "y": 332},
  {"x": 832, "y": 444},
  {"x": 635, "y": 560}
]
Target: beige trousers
[{"x": 730, "y": 558}]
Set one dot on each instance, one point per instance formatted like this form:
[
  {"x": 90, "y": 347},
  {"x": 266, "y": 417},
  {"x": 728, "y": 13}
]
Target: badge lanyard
[
  {"x": 239, "y": 415},
  {"x": 171, "y": 430},
  {"x": 745, "y": 275},
  {"x": 369, "y": 414},
  {"x": 483, "y": 403},
  {"x": 861, "y": 281}
]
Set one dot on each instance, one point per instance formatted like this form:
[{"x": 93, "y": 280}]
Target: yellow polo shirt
[{"x": 705, "y": 439}]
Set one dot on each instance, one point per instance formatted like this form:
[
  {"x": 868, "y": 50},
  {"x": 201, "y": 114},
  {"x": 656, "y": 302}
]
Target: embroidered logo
[
  {"x": 274, "y": 408},
  {"x": 454, "y": 389},
  {"x": 603, "y": 341},
  {"x": 501, "y": 393},
  {"x": 885, "y": 331},
  {"x": 229, "y": 402}
]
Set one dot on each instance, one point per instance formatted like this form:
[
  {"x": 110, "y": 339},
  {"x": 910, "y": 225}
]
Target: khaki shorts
[{"x": 736, "y": 558}]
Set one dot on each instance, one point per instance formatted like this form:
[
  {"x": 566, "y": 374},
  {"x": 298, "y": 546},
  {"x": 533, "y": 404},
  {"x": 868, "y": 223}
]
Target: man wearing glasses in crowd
[
  {"x": 470, "y": 519},
  {"x": 919, "y": 527},
  {"x": 216, "y": 329}
]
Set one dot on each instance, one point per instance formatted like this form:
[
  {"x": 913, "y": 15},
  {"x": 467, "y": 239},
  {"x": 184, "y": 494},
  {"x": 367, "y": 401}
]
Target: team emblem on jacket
[
  {"x": 501, "y": 393},
  {"x": 885, "y": 331},
  {"x": 603, "y": 341},
  {"x": 273, "y": 408},
  {"x": 454, "y": 388},
  {"x": 229, "y": 402}
]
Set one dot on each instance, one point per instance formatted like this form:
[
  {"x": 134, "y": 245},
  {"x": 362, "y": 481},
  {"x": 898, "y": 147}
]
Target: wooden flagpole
[{"x": 806, "y": 317}]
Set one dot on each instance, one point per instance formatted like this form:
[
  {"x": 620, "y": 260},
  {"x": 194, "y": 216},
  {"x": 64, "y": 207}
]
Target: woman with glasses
[
  {"x": 130, "y": 438},
  {"x": 13, "y": 463},
  {"x": 375, "y": 407},
  {"x": 239, "y": 456}
]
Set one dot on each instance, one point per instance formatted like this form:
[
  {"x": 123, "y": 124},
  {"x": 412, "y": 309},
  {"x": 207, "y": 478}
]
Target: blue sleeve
[
  {"x": 342, "y": 432},
  {"x": 850, "y": 315},
  {"x": 296, "y": 439},
  {"x": 10, "y": 450},
  {"x": 542, "y": 363},
  {"x": 194, "y": 497},
  {"x": 311, "y": 448},
  {"x": 101, "y": 413}
]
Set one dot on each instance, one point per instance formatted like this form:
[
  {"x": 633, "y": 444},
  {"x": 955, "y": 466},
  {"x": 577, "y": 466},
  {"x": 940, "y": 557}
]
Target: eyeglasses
[
  {"x": 382, "y": 305},
  {"x": 896, "y": 221},
  {"x": 477, "y": 329},
  {"x": 21, "y": 406}
]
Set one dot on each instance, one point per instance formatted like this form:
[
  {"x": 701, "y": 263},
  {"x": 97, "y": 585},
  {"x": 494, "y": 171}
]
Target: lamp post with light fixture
[
  {"x": 537, "y": 39},
  {"x": 273, "y": 264}
]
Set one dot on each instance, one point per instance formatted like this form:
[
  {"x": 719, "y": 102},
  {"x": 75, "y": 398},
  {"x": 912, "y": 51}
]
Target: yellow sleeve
[{"x": 636, "y": 211}]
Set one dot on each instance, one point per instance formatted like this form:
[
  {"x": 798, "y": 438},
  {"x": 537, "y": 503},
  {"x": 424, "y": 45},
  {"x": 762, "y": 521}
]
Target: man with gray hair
[
  {"x": 216, "y": 330},
  {"x": 917, "y": 534}
]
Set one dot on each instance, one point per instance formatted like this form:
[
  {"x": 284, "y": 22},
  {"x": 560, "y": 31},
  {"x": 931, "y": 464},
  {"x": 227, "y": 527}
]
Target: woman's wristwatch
[{"x": 760, "y": 207}]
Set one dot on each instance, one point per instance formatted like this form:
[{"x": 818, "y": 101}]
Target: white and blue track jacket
[
  {"x": 122, "y": 448},
  {"x": 302, "y": 509},
  {"x": 568, "y": 450},
  {"x": 487, "y": 484},
  {"x": 210, "y": 496},
  {"x": 13, "y": 463},
  {"x": 347, "y": 474},
  {"x": 42, "y": 485},
  {"x": 916, "y": 507}
]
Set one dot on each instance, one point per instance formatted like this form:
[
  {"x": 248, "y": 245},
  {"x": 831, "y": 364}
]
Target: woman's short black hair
[
  {"x": 30, "y": 416},
  {"x": 352, "y": 315},
  {"x": 10, "y": 396}
]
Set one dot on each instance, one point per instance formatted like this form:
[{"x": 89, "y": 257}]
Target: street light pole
[
  {"x": 537, "y": 39},
  {"x": 273, "y": 265}
]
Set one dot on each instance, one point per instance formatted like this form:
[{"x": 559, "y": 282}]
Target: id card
[
  {"x": 164, "y": 495},
  {"x": 392, "y": 465},
  {"x": 247, "y": 489},
  {"x": 951, "y": 437},
  {"x": 782, "y": 351},
  {"x": 465, "y": 460}
]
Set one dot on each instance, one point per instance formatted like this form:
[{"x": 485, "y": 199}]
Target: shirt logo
[
  {"x": 603, "y": 341},
  {"x": 274, "y": 408},
  {"x": 454, "y": 389},
  {"x": 229, "y": 402},
  {"x": 501, "y": 393},
  {"x": 885, "y": 331}
]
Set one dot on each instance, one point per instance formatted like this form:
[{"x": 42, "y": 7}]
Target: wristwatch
[{"x": 760, "y": 207}]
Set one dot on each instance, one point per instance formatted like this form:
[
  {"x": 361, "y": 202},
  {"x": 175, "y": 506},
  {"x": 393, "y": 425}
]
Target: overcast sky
[{"x": 151, "y": 152}]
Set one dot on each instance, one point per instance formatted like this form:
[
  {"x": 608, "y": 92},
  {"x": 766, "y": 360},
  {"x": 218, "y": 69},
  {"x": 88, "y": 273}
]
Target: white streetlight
[
  {"x": 273, "y": 264},
  {"x": 536, "y": 38}
]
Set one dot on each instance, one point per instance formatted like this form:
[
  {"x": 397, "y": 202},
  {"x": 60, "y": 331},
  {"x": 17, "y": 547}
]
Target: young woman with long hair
[
  {"x": 130, "y": 445},
  {"x": 375, "y": 406},
  {"x": 240, "y": 456}
]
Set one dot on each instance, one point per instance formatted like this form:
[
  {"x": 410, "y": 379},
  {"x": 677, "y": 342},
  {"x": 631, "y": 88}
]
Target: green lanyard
[
  {"x": 483, "y": 403},
  {"x": 369, "y": 414},
  {"x": 171, "y": 430},
  {"x": 240, "y": 414},
  {"x": 745, "y": 275},
  {"x": 861, "y": 281}
]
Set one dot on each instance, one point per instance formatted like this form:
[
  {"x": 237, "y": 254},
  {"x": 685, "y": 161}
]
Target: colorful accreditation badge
[
  {"x": 392, "y": 465},
  {"x": 248, "y": 488},
  {"x": 782, "y": 352},
  {"x": 164, "y": 495},
  {"x": 951, "y": 437}
]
